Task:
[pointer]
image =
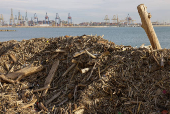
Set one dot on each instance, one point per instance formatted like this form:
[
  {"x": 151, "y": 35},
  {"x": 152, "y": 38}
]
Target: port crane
[
  {"x": 69, "y": 19},
  {"x": 11, "y": 18},
  {"x": 19, "y": 18},
  {"x": 107, "y": 20},
  {"x": 129, "y": 20},
  {"x": 115, "y": 19},
  {"x": 15, "y": 19},
  {"x": 46, "y": 17},
  {"x": 35, "y": 19},
  {"x": 1, "y": 19},
  {"x": 57, "y": 19},
  {"x": 26, "y": 19}
]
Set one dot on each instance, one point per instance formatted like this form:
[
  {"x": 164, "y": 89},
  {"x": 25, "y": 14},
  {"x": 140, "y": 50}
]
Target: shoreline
[
  {"x": 54, "y": 26},
  {"x": 161, "y": 25},
  {"x": 71, "y": 26}
]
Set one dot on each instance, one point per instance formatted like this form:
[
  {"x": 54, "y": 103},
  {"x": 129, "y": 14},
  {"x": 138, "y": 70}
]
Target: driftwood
[
  {"x": 52, "y": 98},
  {"x": 50, "y": 76},
  {"x": 41, "y": 89},
  {"x": 80, "y": 53},
  {"x": 42, "y": 107},
  {"x": 91, "y": 72},
  {"x": 91, "y": 55},
  {"x": 162, "y": 60},
  {"x": 13, "y": 58},
  {"x": 72, "y": 66},
  {"x": 147, "y": 26},
  {"x": 32, "y": 102},
  {"x": 6, "y": 66},
  {"x": 60, "y": 51},
  {"x": 74, "y": 61},
  {"x": 6, "y": 79},
  {"x": 121, "y": 79},
  {"x": 104, "y": 54},
  {"x": 85, "y": 70},
  {"x": 24, "y": 72}
]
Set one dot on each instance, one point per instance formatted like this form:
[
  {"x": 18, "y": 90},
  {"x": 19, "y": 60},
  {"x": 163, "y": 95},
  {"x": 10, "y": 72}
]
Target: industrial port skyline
[
  {"x": 20, "y": 20},
  {"x": 86, "y": 10}
]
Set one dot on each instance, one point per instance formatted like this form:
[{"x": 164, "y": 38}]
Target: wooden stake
[
  {"x": 50, "y": 76},
  {"x": 147, "y": 26}
]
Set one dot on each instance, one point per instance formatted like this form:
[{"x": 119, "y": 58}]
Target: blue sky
[{"x": 86, "y": 10}]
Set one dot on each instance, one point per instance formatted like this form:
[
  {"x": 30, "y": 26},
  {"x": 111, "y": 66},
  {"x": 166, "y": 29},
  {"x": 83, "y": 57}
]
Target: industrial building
[{"x": 20, "y": 20}]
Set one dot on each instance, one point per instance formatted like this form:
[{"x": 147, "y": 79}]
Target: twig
[
  {"x": 42, "y": 107},
  {"x": 32, "y": 102},
  {"x": 6, "y": 79},
  {"x": 41, "y": 89},
  {"x": 79, "y": 108},
  {"x": 52, "y": 98},
  {"x": 13, "y": 58},
  {"x": 79, "y": 53},
  {"x": 162, "y": 60},
  {"x": 155, "y": 59},
  {"x": 1, "y": 85},
  {"x": 90, "y": 54},
  {"x": 139, "y": 107},
  {"x": 60, "y": 51},
  {"x": 63, "y": 102},
  {"x": 75, "y": 91},
  {"x": 99, "y": 72},
  {"x": 91, "y": 72},
  {"x": 72, "y": 66},
  {"x": 84, "y": 70}
]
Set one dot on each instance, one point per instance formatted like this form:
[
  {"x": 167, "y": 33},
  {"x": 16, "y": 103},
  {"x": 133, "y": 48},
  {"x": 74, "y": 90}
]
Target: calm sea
[{"x": 134, "y": 36}]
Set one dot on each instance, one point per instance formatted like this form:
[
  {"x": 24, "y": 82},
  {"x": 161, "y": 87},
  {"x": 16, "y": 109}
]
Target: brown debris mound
[{"x": 82, "y": 74}]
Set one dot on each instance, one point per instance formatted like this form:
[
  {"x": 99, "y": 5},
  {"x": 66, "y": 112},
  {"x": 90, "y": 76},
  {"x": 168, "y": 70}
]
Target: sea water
[{"x": 134, "y": 36}]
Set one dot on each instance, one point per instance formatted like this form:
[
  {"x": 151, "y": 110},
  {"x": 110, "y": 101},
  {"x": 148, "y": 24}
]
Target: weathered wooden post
[{"x": 147, "y": 26}]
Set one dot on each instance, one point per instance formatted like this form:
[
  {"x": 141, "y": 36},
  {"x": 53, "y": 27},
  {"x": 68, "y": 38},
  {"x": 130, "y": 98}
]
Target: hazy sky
[{"x": 86, "y": 10}]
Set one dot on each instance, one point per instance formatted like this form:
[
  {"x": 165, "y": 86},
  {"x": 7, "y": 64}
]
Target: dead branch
[
  {"x": 3, "y": 77},
  {"x": 91, "y": 55},
  {"x": 32, "y": 102},
  {"x": 80, "y": 53},
  {"x": 72, "y": 66},
  {"x": 41, "y": 89},
  {"x": 42, "y": 107},
  {"x": 52, "y": 98},
  {"x": 24, "y": 72},
  {"x": 50, "y": 76},
  {"x": 13, "y": 58},
  {"x": 147, "y": 26}
]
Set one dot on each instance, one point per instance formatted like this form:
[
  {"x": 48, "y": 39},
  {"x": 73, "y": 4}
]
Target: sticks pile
[{"x": 83, "y": 74}]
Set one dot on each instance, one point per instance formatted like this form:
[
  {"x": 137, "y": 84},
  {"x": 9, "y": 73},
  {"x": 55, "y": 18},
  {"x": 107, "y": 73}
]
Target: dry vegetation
[{"x": 82, "y": 74}]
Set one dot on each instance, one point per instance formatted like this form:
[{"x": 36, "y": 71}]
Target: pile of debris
[{"x": 82, "y": 74}]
